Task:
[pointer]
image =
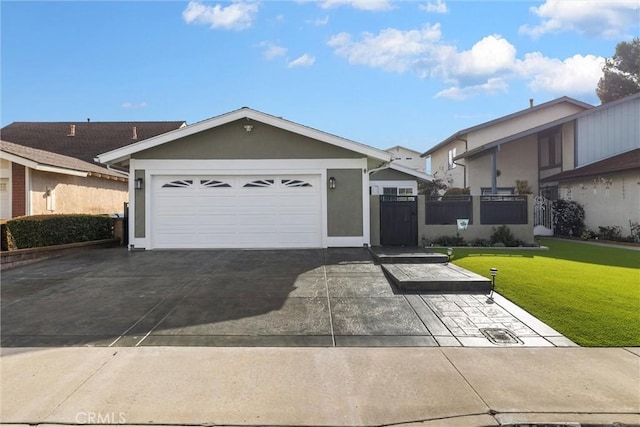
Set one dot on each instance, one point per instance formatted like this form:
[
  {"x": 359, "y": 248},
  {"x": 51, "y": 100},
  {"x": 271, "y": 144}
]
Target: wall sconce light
[
  {"x": 248, "y": 128},
  {"x": 139, "y": 182},
  {"x": 332, "y": 183}
]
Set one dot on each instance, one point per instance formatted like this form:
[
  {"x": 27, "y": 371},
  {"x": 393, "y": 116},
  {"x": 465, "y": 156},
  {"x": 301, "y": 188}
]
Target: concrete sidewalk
[{"x": 319, "y": 386}]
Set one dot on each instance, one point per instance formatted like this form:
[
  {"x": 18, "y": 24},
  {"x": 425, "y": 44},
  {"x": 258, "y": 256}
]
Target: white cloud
[
  {"x": 358, "y": 4},
  {"x": 437, "y": 6},
  {"x": 132, "y": 105},
  {"x": 236, "y": 16},
  {"x": 492, "y": 86},
  {"x": 321, "y": 22},
  {"x": 575, "y": 75},
  {"x": 609, "y": 19},
  {"x": 272, "y": 51},
  {"x": 305, "y": 60},
  {"x": 390, "y": 50},
  {"x": 487, "y": 67},
  {"x": 489, "y": 56}
]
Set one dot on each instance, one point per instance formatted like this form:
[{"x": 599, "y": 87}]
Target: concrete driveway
[{"x": 330, "y": 297}]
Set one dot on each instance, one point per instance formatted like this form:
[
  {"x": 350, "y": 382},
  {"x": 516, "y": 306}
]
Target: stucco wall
[
  {"x": 440, "y": 166},
  {"x": 604, "y": 206},
  {"x": 139, "y": 221},
  {"x": 521, "y": 123},
  {"x": 344, "y": 203},
  {"x": 231, "y": 141},
  {"x": 515, "y": 160},
  {"x": 74, "y": 194}
]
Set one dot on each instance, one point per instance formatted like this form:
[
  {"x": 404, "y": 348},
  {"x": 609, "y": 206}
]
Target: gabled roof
[
  {"x": 89, "y": 138},
  {"x": 489, "y": 146},
  {"x": 402, "y": 148},
  {"x": 125, "y": 153},
  {"x": 51, "y": 162},
  {"x": 621, "y": 162},
  {"x": 410, "y": 171},
  {"x": 499, "y": 120}
]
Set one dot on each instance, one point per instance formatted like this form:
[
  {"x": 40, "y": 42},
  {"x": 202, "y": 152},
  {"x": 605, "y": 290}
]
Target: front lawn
[{"x": 589, "y": 293}]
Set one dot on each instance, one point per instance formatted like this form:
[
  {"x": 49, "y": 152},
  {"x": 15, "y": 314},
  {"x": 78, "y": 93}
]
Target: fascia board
[
  {"x": 125, "y": 152},
  {"x": 40, "y": 167}
]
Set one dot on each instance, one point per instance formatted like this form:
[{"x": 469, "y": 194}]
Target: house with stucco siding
[{"x": 49, "y": 167}]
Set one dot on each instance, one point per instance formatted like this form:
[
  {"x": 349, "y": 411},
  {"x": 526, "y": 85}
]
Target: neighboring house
[
  {"x": 401, "y": 176},
  {"x": 605, "y": 178},
  {"x": 526, "y": 145},
  {"x": 247, "y": 179},
  {"x": 47, "y": 183},
  {"x": 49, "y": 167},
  {"x": 542, "y": 145}
]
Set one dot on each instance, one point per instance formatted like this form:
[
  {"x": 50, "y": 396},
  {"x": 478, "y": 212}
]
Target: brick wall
[{"x": 18, "y": 196}]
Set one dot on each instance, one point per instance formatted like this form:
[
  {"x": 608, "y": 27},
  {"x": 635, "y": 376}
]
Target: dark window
[
  {"x": 390, "y": 191},
  {"x": 259, "y": 183},
  {"x": 550, "y": 146},
  {"x": 181, "y": 183}
]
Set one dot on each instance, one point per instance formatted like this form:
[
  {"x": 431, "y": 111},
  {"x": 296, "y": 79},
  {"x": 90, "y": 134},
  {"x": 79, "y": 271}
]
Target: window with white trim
[
  {"x": 405, "y": 191},
  {"x": 390, "y": 191}
]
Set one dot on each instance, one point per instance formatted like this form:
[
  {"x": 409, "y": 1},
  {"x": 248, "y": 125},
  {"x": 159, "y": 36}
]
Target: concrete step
[
  {"x": 435, "y": 278},
  {"x": 407, "y": 256}
]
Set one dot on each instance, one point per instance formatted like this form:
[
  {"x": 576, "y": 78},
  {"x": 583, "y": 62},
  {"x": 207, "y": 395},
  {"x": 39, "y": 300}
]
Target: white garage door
[{"x": 236, "y": 211}]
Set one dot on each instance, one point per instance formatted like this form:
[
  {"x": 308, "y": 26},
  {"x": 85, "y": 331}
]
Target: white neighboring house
[{"x": 401, "y": 176}]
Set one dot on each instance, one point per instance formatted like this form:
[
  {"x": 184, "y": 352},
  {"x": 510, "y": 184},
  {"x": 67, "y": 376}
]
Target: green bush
[
  {"x": 568, "y": 219},
  {"x": 503, "y": 235},
  {"x": 49, "y": 230},
  {"x": 456, "y": 240},
  {"x": 610, "y": 232}
]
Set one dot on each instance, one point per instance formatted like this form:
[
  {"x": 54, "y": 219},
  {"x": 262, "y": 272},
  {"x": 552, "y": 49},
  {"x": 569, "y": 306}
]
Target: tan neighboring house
[
  {"x": 526, "y": 145},
  {"x": 49, "y": 183},
  {"x": 49, "y": 167},
  {"x": 541, "y": 145}
]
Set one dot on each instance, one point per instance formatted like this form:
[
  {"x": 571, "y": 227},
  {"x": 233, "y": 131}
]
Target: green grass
[{"x": 589, "y": 293}]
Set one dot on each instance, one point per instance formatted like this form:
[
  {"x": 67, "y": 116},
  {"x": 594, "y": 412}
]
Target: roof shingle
[{"x": 89, "y": 140}]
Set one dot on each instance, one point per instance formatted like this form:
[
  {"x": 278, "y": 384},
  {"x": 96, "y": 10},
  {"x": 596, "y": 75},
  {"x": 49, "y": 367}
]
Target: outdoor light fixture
[
  {"x": 332, "y": 183},
  {"x": 449, "y": 253},
  {"x": 248, "y": 128},
  {"x": 139, "y": 182},
  {"x": 494, "y": 273}
]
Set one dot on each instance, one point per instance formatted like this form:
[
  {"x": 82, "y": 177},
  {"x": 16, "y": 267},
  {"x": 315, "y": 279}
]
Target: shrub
[
  {"x": 522, "y": 187},
  {"x": 455, "y": 191},
  {"x": 568, "y": 219},
  {"x": 481, "y": 243},
  {"x": 49, "y": 230},
  {"x": 635, "y": 231},
  {"x": 456, "y": 240},
  {"x": 587, "y": 234},
  {"x": 610, "y": 232},
  {"x": 504, "y": 235}
]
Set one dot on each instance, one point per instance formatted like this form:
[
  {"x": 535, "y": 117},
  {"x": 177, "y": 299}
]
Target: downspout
[
  {"x": 494, "y": 172},
  {"x": 464, "y": 175}
]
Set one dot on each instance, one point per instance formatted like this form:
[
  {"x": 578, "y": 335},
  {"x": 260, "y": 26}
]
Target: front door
[{"x": 398, "y": 221}]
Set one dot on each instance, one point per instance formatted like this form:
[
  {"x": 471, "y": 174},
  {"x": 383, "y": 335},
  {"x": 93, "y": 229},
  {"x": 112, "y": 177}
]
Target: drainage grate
[{"x": 500, "y": 336}]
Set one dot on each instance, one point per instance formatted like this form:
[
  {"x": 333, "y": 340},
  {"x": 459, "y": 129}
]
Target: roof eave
[{"x": 124, "y": 153}]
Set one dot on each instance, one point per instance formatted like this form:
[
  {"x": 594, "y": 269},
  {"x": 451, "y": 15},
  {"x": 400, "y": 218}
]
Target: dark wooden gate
[{"x": 398, "y": 220}]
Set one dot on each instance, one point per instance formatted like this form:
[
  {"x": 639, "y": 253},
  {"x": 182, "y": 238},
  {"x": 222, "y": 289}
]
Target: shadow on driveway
[{"x": 210, "y": 297}]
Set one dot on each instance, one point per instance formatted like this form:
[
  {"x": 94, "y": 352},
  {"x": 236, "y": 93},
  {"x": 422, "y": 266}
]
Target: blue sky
[{"x": 379, "y": 72}]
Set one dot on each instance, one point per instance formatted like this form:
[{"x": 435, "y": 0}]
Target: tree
[{"x": 621, "y": 73}]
